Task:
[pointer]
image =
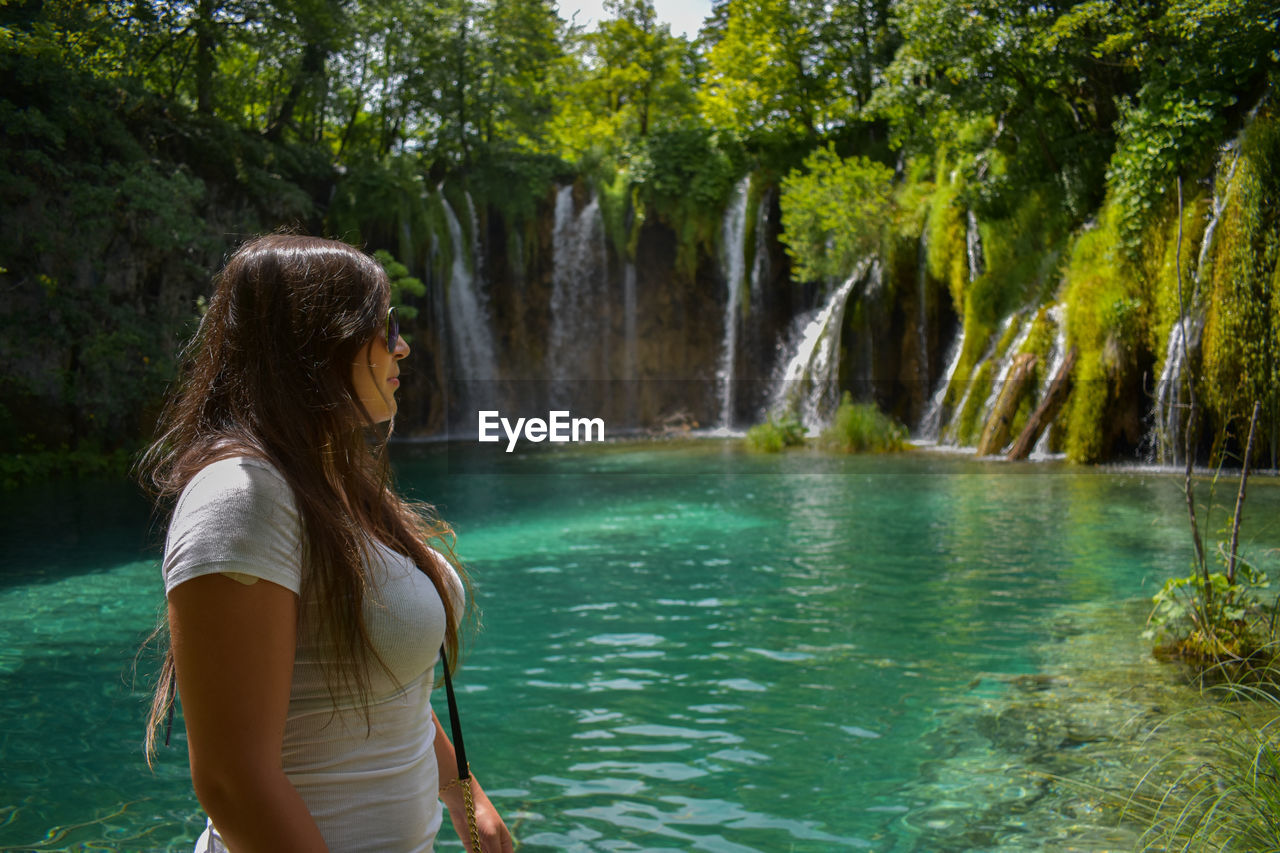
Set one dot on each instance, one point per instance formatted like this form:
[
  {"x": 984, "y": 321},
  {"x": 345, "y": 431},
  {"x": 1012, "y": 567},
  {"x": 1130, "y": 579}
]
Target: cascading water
[
  {"x": 808, "y": 386},
  {"x": 931, "y": 424},
  {"x": 630, "y": 361},
  {"x": 949, "y": 435},
  {"x": 477, "y": 255},
  {"x": 1058, "y": 355},
  {"x": 732, "y": 264},
  {"x": 973, "y": 246},
  {"x": 579, "y": 342},
  {"x": 1170, "y": 396},
  {"x": 1004, "y": 366},
  {"x": 922, "y": 313},
  {"x": 471, "y": 348},
  {"x": 760, "y": 262},
  {"x": 1184, "y": 336}
]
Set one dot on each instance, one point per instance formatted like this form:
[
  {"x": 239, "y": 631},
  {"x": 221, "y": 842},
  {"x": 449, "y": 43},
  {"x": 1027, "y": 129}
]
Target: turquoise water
[{"x": 684, "y": 647}]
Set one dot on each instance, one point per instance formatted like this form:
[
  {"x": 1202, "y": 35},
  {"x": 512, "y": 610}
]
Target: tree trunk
[
  {"x": 996, "y": 433},
  {"x": 314, "y": 57},
  {"x": 1047, "y": 411},
  {"x": 206, "y": 42}
]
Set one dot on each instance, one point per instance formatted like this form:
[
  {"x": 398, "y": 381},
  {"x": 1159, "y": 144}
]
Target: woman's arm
[
  {"x": 494, "y": 837},
  {"x": 234, "y": 646}
]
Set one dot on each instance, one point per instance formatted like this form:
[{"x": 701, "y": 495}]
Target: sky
[{"x": 684, "y": 16}]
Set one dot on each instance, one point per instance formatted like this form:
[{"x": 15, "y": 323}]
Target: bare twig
[{"x": 1244, "y": 478}]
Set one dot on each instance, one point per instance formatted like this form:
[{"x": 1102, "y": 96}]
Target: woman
[{"x": 306, "y": 609}]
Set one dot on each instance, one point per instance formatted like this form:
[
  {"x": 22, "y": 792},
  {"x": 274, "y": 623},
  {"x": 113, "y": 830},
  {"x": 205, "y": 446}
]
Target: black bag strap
[{"x": 459, "y": 750}]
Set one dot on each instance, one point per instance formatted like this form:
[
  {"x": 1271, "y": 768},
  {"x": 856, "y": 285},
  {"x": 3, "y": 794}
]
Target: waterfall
[
  {"x": 1004, "y": 367},
  {"x": 808, "y": 386},
  {"x": 1170, "y": 402},
  {"x": 973, "y": 246},
  {"x": 931, "y": 424},
  {"x": 1057, "y": 313},
  {"x": 922, "y": 314},
  {"x": 733, "y": 234},
  {"x": 471, "y": 348},
  {"x": 1170, "y": 396},
  {"x": 760, "y": 262},
  {"x": 578, "y": 347},
  {"x": 630, "y": 363},
  {"x": 477, "y": 252},
  {"x": 950, "y": 436}
]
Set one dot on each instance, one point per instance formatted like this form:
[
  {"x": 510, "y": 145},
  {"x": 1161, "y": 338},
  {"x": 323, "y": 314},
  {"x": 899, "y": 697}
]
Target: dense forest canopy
[{"x": 142, "y": 136}]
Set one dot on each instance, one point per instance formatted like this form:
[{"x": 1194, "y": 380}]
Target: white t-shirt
[{"x": 369, "y": 787}]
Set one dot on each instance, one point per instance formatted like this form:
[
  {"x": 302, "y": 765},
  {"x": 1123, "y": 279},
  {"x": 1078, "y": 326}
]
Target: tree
[
  {"x": 632, "y": 78},
  {"x": 833, "y": 213},
  {"x": 762, "y": 72}
]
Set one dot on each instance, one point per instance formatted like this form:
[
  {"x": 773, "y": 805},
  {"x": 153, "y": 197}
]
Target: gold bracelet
[{"x": 456, "y": 780}]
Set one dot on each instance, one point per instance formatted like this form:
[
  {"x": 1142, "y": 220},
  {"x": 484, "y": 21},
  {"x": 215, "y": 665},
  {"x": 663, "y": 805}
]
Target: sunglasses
[{"x": 393, "y": 330}]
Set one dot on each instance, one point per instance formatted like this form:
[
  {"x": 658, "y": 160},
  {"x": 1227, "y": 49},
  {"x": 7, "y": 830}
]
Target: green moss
[
  {"x": 948, "y": 257},
  {"x": 1007, "y": 337},
  {"x": 1161, "y": 256},
  {"x": 1040, "y": 341},
  {"x": 1106, "y": 320},
  {"x": 968, "y": 426},
  {"x": 1241, "y": 346},
  {"x": 615, "y": 204}
]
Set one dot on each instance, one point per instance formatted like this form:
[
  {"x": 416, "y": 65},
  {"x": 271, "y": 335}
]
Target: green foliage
[
  {"x": 1211, "y": 621},
  {"x": 834, "y": 213},
  {"x": 1216, "y": 620},
  {"x": 1019, "y": 82},
  {"x": 778, "y": 70},
  {"x": 632, "y": 78},
  {"x": 683, "y": 175},
  {"x": 1198, "y": 59},
  {"x": 402, "y": 285},
  {"x": 863, "y": 428},
  {"x": 35, "y": 464},
  {"x": 775, "y": 434},
  {"x": 140, "y": 134}
]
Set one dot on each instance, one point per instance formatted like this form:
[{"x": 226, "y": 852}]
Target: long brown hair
[{"x": 268, "y": 374}]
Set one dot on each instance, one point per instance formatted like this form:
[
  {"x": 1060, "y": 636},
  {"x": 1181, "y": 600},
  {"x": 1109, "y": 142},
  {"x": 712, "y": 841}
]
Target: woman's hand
[{"x": 494, "y": 837}]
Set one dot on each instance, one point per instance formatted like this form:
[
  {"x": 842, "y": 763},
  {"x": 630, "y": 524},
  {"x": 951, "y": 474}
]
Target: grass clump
[
  {"x": 775, "y": 434},
  {"x": 1219, "y": 794},
  {"x": 862, "y": 428}
]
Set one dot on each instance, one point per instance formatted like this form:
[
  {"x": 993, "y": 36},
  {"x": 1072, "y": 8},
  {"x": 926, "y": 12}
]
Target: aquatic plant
[
  {"x": 1219, "y": 794},
  {"x": 1216, "y": 621},
  {"x": 861, "y": 427},
  {"x": 775, "y": 434}
]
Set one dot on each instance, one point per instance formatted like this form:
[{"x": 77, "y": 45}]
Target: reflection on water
[{"x": 687, "y": 648}]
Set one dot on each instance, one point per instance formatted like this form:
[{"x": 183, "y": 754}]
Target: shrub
[
  {"x": 861, "y": 427},
  {"x": 775, "y": 434}
]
